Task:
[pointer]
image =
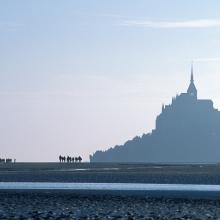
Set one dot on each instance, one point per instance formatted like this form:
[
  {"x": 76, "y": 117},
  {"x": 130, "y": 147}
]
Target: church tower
[{"x": 192, "y": 91}]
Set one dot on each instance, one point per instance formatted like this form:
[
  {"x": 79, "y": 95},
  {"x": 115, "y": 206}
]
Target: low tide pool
[
  {"x": 108, "y": 186},
  {"x": 151, "y": 190}
]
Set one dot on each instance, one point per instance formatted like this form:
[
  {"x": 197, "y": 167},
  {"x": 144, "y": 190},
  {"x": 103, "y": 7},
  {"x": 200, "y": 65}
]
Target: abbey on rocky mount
[{"x": 187, "y": 131}]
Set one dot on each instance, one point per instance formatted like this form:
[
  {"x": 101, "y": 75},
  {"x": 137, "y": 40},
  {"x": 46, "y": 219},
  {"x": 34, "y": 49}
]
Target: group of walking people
[
  {"x": 7, "y": 160},
  {"x": 69, "y": 159}
]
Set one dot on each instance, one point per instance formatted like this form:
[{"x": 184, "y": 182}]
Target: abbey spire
[
  {"x": 192, "y": 91},
  {"x": 192, "y": 80}
]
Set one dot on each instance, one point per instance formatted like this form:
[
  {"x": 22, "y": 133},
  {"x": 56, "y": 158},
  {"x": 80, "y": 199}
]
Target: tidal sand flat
[
  {"x": 66, "y": 204},
  {"x": 47, "y": 205},
  {"x": 111, "y": 173}
]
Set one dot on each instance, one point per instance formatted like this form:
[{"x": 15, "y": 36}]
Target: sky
[{"x": 78, "y": 76}]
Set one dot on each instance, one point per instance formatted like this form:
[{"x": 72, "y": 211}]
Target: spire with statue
[{"x": 192, "y": 91}]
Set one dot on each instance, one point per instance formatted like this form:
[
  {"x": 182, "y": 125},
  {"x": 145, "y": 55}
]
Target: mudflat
[
  {"x": 50, "y": 204},
  {"x": 111, "y": 172},
  {"x": 71, "y": 206}
]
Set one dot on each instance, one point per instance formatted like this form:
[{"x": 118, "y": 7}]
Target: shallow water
[
  {"x": 87, "y": 169},
  {"x": 109, "y": 186}
]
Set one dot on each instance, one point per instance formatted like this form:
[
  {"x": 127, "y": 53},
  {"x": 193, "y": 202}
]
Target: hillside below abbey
[{"x": 187, "y": 131}]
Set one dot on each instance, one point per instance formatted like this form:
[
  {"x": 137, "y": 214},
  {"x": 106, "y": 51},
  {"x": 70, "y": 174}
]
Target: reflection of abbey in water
[{"x": 188, "y": 130}]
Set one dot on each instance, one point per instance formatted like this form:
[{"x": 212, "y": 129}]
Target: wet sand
[
  {"x": 111, "y": 173},
  {"x": 52, "y": 205}
]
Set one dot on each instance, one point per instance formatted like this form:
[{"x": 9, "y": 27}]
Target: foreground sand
[{"x": 24, "y": 205}]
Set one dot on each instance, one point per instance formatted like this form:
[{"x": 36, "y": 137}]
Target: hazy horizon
[{"x": 79, "y": 76}]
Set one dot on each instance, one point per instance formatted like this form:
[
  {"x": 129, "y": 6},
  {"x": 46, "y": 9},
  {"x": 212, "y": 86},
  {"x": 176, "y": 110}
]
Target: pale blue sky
[{"x": 77, "y": 76}]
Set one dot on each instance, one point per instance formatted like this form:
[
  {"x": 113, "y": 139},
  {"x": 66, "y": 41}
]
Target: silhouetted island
[{"x": 187, "y": 131}]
